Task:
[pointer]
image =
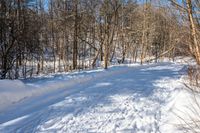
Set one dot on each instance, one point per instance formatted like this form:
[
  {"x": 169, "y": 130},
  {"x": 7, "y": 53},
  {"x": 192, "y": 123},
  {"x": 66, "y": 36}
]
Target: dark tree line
[{"x": 48, "y": 36}]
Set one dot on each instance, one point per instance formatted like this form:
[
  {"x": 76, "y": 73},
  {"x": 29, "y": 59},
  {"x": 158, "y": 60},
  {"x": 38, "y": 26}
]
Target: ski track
[{"x": 131, "y": 100}]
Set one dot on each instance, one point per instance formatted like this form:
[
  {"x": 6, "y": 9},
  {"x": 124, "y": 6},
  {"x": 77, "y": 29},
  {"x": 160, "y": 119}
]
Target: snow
[
  {"x": 11, "y": 91},
  {"x": 124, "y": 98}
]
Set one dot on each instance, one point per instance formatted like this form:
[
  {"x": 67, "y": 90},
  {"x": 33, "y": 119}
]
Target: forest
[{"x": 50, "y": 36}]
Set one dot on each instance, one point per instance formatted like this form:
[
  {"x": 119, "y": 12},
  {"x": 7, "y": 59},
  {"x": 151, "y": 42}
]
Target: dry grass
[{"x": 190, "y": 118}]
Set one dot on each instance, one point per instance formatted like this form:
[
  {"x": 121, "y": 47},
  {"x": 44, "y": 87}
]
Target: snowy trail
[{"x": 131, "y": 99}]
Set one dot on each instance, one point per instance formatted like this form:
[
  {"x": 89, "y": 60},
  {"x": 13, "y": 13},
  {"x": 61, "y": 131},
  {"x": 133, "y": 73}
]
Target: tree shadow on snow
[{"x": 135, "y": 85}]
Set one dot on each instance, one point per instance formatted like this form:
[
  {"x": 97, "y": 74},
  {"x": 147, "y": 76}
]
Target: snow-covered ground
[{"x": 125, "y": 98}]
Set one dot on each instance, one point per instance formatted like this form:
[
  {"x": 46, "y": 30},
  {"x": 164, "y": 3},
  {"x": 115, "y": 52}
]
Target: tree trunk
[
  {"x": 195, "y": 46},
  {"x": 75, "y": 48}
]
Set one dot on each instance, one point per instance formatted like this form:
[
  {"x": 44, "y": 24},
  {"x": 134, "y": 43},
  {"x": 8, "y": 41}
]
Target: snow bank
[
  {"x": 183, "y": 112},
  {"x": 12, "y": 91},
  {"x": 15, "y": 91}
]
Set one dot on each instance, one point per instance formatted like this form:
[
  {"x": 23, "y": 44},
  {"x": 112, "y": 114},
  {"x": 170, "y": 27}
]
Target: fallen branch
[{"x": 161, "y": 55}]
